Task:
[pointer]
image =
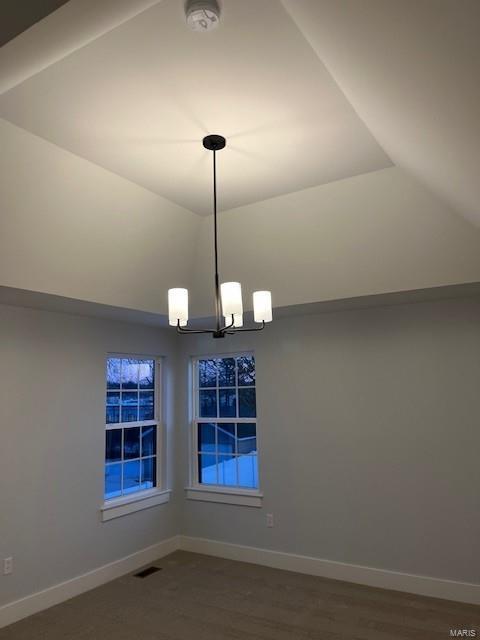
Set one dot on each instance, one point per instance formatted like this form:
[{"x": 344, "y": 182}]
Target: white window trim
[
  {"x": 217, "y": 493},
  {"x": 117, "y": 507},
  {"x": 227, "y": 495},
  {"x": 123, "y": 505}
]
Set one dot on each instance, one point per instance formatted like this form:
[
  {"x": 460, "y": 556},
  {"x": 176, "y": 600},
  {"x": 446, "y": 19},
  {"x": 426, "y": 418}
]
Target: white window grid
[
  {"x": 197, "y": 420},
  {"x": 156, "y": 422}
]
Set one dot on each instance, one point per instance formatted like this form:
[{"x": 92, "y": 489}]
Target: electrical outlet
[
  {"x": 7, "y": 566},
  {"x": 270, "y": 520}
]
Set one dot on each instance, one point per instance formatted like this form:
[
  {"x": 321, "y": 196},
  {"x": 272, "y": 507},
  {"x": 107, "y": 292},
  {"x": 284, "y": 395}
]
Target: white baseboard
[
  {"x": 410, "y": 583},
  {"x": 422, "y": 585},
  {"x": 36, "y": 602}
]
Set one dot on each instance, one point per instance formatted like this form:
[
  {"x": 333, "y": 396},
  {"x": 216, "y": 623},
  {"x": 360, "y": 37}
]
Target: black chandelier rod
[
  {"x": 215, "y": 233},
  {"x": 214, "y": 143}
]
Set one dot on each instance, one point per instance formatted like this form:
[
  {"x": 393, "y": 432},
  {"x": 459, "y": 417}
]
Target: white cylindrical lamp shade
[
  {"x": 262, "y": 306},
  {"x": 177, "y": 307},
  {"x": 231, "y": 294}
]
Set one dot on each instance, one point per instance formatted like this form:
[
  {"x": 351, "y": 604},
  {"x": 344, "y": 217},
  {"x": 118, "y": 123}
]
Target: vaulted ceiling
[
  {"x": 314, "y": 96},
  {"x": 139, "y": 99},
  {"x": 411, "y": 70},
  {"x": 343, "y": 87}
]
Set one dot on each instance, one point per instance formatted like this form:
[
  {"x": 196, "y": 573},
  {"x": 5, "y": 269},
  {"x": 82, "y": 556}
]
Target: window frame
[
  {"x": 217, "y": 492},
  {"x": 159, "y": 494}
]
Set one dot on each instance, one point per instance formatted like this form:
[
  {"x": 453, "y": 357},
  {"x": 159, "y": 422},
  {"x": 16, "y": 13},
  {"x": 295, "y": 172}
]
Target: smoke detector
[{"x": 202, "y": 15}]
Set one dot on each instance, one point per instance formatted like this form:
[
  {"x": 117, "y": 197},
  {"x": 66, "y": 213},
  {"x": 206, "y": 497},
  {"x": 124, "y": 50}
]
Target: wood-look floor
[{"x": 198, "y": 597}]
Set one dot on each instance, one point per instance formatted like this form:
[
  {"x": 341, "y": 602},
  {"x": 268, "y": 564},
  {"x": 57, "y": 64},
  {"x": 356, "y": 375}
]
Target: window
[
  {"x": 132, "y": 426},
  {"x": 225, "y": 422}
]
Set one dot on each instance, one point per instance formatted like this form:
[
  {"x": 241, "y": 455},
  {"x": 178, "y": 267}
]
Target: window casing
[
  {"x": 132, "y": 425},
  {"x": 224, "y": 423}
]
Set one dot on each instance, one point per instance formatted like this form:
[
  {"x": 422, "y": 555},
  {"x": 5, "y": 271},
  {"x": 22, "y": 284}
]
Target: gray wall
[
  {"x": 369, "y": 439},
  {"x": 52, "y": 371},
  {"x": 368, "y": 429}
]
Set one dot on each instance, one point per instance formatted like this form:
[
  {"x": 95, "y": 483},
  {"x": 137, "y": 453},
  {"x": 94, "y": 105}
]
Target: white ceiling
[
  {"x": 411, "y": 70},
  {"x": 139, "y": 99}
]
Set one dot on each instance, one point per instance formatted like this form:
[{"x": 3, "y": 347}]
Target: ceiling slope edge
[
  {"x": 299, "y": 21},
  {"x": 30, "y": 299},
  {"x": 37, "y": 300},
  {"x": 462, "y": 290},
  {"x": 411, "y": 78},
  {"x": 180, "y": 207},
  {"x": 59, "y": 34}
]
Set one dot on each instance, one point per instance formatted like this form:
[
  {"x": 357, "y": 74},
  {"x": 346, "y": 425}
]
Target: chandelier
[{"x": 228, "y": 295}]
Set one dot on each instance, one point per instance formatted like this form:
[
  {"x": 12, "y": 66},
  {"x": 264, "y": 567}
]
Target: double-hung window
[
  {"x": 132, "y": 425},
  {"x": 225, "y": 422}
]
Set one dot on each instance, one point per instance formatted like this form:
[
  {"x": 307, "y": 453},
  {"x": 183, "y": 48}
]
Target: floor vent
[{"x": 147, "y": 572}]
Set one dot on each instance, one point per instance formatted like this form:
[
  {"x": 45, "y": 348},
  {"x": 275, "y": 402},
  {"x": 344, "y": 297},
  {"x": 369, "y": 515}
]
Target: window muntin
[
  {"x": 225, "y": 429},
  {"x": 131, "y": 437}
]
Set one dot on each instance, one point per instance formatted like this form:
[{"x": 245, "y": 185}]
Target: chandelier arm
[
  {"x": 253, "y": 329},
  {"x": 182, "y": 330},
  {"x": 229, "y": 326}
]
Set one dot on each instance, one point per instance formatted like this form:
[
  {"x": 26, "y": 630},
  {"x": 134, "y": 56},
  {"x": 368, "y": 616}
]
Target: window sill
[
  {"x": 129, "y": 504},
  {"x": 244, "y": 498}
]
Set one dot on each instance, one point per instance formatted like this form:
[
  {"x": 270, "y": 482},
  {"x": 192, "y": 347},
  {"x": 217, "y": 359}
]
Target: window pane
[
  {"x": 246, "y": 403},
  {"x": 130, "y": 414},
  {"x": 207, "y": 373},
  {"x": 227, "y": 403},
  {"x": 149, "y": 473},
  {"x": 207, "y": 468},
  {"x": 113, "y": 445},
  {"x": 247, "y": 437},
  {"x": 226, "y": 372},
  {"x": 146, "y": 406},
  {"x": 131, "y": 443},
  {"x": 113, "y": 373},
  {"x": 146, "y": 397},
  {"x": 113, "y": 480},
  {"x": 246, "y": 371},
  {"x": 226, "y": 438},
  {"x": 146, "y": 376},
  {"x": 227, "y": 470},
  {"x": 206, "y": 437},
  {"x": 129, "y": 406},
  {"x": 247, "y": 472},
  {"x": 113, "y": 397},
  {"x": 113, "y": 411},
  {"x": 112, "y": 414},
  {"x": 131, "y": 476},
  {"x": 208, "y": 403},
  {"x": 129, "y": 373},
  {"x": 129, "y": 397},
  {"x": 146, "y": 413},
  {"x": 149, "y": 441}
]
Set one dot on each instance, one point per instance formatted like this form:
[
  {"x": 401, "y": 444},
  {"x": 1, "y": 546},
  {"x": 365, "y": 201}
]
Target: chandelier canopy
[{"x": 228, "y": 295}]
